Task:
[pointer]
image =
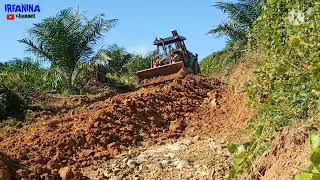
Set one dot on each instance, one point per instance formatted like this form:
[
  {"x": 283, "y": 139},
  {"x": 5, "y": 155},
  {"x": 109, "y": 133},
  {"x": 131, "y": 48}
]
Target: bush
[
  {"x": 3, "y": 106},
  {"x": 23, "y": 75},
  {"x": 222, "y": 61},
  {"x": 284, "y": 88},
  {"x": 128, "y": 73},
  {"x": 10, "y": 102}
]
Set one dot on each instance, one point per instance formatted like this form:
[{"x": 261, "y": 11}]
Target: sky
[{"x": 140, "y": 21}]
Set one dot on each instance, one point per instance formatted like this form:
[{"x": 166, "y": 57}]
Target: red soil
[{"x": 100, "y": 130}]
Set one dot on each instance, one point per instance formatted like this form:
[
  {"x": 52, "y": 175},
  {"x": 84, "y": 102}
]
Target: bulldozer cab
[
  {"x": 169, "y": 50},
  {"x": 170, "y": 57}
]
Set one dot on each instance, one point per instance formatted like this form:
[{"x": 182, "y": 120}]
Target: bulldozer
[{"x": 169, "y": 61}]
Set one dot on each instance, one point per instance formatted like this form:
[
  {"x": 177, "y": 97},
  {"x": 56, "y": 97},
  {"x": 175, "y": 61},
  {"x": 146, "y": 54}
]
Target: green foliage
[
  {"x": 312, "y": 171},
  {"x": 240, "y": 18},
  {"x": 222, "y": 61},
  {"x": 232, "y": 148},
  {"x": 244, "y": 158},
  {"x": 22, "y": 75},
  {"x": 3, "y": 106},
  {"x": 127, "y": 79},
  {"x": 284, "y": 87},
  {"x": 315, "y": 68},
  {"x": 120, "y": 66},
  {"x": 67, "y": 41},
  {"x": 10, "y": 102},
  {"x": 118, "y": 58},
  {"x": 138, "y": 63},
  {"x": 127, "y": 73}
]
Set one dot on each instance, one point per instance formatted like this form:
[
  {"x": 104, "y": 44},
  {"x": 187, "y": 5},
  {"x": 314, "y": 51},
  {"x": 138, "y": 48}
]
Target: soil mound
[
  {"x": 221, "y": 114},
  {"x": 289, "y": 153},
  {"x": 103, "y": 129}
]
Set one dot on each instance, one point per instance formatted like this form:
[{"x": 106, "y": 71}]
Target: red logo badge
[{"x": 10, "y": 16}]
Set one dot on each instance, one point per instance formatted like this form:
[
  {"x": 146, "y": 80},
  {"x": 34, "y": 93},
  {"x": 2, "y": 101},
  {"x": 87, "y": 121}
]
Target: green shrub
[
  {"x": 3, "y": 106},
  {"x": 138, "y": 63},
  {"x": 10, "y": 102},
  {"x": 222, "y": 61},
  {"x": 23, "y": 75},
  {"x": 285, "y": 86}
]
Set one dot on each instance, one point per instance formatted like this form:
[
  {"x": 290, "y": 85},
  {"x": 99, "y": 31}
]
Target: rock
[
  {"x": 176, "y": 147},
  {"x": 170, "y": 155},
  {"x": 165, "y": 162},
  {"x": 21, "y": 173},
  {"x": 132, "y": 163},
  {"x": 116, "y": 170},
  {"x": 141, "y": 158},
  {"x": 125, "y": 160},
  {"x": 213, "y": 103},
  {"x": 196, "y": 138},
  {"x": 33, "y": 176},
  {"x": 186, "y": 142},
  {"x": 180, "y": 163},
  {"x": 100, "y": 178},
  {"x": 105, "y": 173},
  {"x": 114, "y": 178},
  {"x": 66, "y": 173},
  {"x": 202, "y": 171},
  {"x": 77, "y": 175}
]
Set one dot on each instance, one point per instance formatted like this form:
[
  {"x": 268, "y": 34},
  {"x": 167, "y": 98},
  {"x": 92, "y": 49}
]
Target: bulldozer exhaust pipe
[{"x": 174, "y": 32}]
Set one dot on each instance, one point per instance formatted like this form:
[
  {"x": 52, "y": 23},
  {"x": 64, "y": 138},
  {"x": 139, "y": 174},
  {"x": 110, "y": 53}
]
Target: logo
[
  {"x": 10, "y": 16},
  {"x": 21, "y": 11}
]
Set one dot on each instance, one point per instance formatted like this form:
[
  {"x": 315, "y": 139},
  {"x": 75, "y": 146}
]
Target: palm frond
[{"x": 67, "y": 39}]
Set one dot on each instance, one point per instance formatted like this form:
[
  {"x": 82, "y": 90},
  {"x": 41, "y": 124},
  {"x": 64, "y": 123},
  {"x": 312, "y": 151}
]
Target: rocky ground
[{"x": 190, "y": 158}]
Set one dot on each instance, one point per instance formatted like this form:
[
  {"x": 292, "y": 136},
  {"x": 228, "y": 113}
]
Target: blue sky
[{"x": 140, "y": 21}]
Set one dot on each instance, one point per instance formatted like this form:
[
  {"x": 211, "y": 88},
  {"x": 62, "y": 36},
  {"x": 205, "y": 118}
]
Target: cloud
[{"x": 141, "y": 49}]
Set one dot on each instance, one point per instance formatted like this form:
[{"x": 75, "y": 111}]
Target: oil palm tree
[
  {"x": 68, "y": 41},
  {"x": 240, "y": 17}
]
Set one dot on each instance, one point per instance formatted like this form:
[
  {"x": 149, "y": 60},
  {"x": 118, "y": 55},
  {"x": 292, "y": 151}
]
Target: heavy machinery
[{"x": 170, "y": 60}]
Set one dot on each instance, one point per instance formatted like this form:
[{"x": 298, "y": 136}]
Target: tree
[
  {"x": 240, "y": 18},
  {"x": 138, "y": 63},
  {"x": 68, "y": 40},
  {"x": 119, "y": 57}
]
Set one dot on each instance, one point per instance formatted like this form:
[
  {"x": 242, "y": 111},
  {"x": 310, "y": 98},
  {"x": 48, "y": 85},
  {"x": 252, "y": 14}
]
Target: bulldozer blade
[{"x": 161, "y": 73}]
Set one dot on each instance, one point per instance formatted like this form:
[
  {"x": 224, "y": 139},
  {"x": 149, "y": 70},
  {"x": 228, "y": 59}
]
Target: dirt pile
[
  {"x": 189, "y": 158},
  {"x": 221, "y": 114},
  {"x": 289, "y": 153},
  {"x": 102, "y": 129}
]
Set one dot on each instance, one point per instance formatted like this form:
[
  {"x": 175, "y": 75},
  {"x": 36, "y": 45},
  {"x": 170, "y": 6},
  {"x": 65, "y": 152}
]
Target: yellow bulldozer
[{"x": 170, "y": 60}]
